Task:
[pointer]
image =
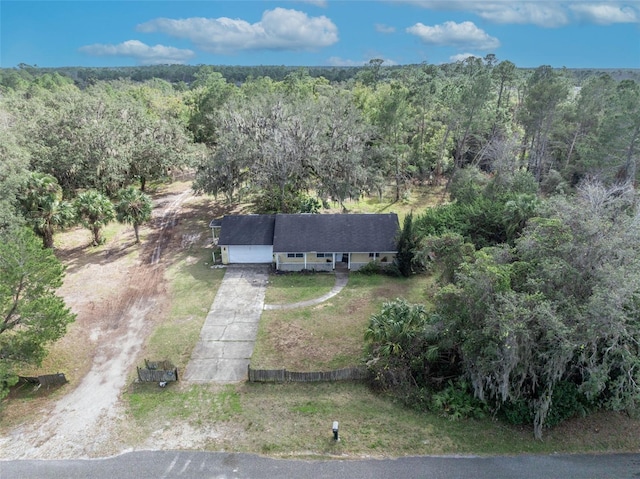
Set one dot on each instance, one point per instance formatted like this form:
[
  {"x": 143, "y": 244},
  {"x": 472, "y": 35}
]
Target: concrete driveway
[{"x": 228, "y": 335}]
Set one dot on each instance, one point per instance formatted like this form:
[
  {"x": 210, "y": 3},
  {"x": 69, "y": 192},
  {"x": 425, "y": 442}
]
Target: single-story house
[{"x": 294, "y": 242}]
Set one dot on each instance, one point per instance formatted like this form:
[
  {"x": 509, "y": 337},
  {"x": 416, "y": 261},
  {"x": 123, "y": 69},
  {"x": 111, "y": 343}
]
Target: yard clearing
[{"x": 130, "y": 309}]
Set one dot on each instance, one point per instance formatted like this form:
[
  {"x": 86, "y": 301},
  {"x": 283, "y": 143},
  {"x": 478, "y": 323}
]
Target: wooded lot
[{"x": 536, "y": 316}]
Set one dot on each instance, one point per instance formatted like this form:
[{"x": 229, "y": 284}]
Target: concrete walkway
[
  {"x": 341, "y": 281},
  {"x": 228, "y": 335}
]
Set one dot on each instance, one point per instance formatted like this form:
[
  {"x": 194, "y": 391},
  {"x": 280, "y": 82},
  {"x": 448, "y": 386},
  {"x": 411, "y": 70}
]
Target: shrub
[
  {"x": 456, "y": 401},
  {"x": 567, "y": 402}
]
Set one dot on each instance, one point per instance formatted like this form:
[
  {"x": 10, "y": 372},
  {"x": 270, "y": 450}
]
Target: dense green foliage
[
  {"x": 32, "y": 316},
  {"x": 534, "y": 245},
  {"x": 43, "y": 206},
  {"x": 543, "y": 330}
]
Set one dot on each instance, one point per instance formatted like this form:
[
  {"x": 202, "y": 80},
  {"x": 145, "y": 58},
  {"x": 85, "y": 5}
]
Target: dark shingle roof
[
  {"x": 247, "y": 230},
  {"x": 335, "y": 233}
]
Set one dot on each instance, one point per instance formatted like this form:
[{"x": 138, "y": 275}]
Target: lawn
[
  {"x": 415, "y": 199},
  {"x": 294, "y": 287},
  {"x": 288, "y": 420},
  {"x": 328, "y": 335},
  {"x": 294, "y": 420}
]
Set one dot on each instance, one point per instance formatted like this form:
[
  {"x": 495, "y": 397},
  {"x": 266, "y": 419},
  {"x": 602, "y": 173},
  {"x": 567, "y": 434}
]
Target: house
[{"x": 295, "y": 242}]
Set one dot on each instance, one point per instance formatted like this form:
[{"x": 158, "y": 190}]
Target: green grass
[
  {"x": 294, "y": 420},
  {"x": 416, "y": 199},
  {"x": 197, "y": 404},
  {"x": 329, "y": 335},
  {"x": 193, "y": 287},
  {"x": 294, "y": 287}
]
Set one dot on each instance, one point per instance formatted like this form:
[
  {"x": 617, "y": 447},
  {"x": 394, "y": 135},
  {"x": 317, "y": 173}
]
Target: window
[
  {"x": 291, "y": 255},
  {"x": 372, "y": 255},
  {"x": 295, "y": 255},
  {"x": 299, "y": 255},
  {"x": 324, "y": 255}
]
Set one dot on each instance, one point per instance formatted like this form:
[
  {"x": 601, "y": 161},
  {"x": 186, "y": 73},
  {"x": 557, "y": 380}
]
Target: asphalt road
[{"x": 219, "y": 465}]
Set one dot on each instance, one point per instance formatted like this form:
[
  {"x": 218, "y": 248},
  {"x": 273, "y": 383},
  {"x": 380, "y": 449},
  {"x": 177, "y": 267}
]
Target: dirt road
[{"x": 118, "y": 305}]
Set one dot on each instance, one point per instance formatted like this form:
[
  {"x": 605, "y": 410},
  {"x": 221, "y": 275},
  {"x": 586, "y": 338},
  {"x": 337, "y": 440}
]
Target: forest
[{"x": 536, "y": 306}]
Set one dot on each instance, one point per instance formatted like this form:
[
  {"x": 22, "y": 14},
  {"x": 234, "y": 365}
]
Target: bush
[
  {"x": 389, "y": 269},
  {"x": 456, "y": 401},
  {"x": 567, "y": 402},
  {"x": 516, "y": 412}
]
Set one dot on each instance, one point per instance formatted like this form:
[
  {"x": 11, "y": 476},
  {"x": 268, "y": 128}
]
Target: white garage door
[{"x": 251, "y": 254}]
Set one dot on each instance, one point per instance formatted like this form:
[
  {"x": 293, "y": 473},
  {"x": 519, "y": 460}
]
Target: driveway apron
[{"x": 228, "y": 335}]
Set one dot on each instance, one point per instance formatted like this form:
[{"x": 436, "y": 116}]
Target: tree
[
  {"x": 106, "y": 136},
  {"x": 556, "y": 313},
  {"x": 94, "y": 210},
  {"x": 134, "y": 207},
  {"x": 394, "y": 339},
  {"x": 505, "y": 74},
  {"x": 546, "y": 89},
  {"x": 32, "y": 316},
  {"x": 619, "y": 135},
  {"x": 446, "y": 252},
  {"x": 210, "y": 91},
  {"x": 340, "y": 170},
  {"x": 43, "y": 207},
  {"x": 407, "y": 246},
  {"x": 14, "y": 164},
  {"x": 391, "y": 113},
  {"x": 583, "y": 120}
]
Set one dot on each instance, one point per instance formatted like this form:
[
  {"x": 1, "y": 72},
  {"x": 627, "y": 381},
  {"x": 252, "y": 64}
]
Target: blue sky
[{"x": 574, "y": 34}]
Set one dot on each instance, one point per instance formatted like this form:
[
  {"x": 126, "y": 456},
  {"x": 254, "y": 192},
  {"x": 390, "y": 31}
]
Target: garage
[
  {"x": 250, "y": 253},
  {"x": 245, "y": 238}
]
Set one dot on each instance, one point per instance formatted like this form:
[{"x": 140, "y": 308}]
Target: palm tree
[
  {"x": 43, "y": 207},
  {"x": 94, "y": 210},
  {"x": 391, "y": 332},
  {"x": 134, "y": 207}
]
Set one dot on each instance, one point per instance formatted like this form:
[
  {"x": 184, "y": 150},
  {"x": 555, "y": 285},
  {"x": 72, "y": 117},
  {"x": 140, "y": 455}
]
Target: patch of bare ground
[{"x": 118, "y": 293}]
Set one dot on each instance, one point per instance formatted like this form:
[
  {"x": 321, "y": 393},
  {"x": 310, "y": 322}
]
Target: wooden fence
[
  {"x": 46, "y": 380},
  {"x": 158, "y": 371},
  {"x": 282, "y": 375}
]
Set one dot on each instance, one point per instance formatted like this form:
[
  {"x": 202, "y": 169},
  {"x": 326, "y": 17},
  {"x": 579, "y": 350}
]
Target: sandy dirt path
[{"x": 84, "y": 422}]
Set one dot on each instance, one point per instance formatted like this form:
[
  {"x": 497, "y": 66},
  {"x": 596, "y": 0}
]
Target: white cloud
[
  {"x": 279, "y": 29},
  {"x": 465, "y": 34},
  {"x": 541, "y": 13},
  {"x": 142, "y": 53},
  {"x": 604, "y": 13},
  {"x": 382, "y": 28},
  {"x": 317, "y": 3},
  {"x": 462, "y": 57}
]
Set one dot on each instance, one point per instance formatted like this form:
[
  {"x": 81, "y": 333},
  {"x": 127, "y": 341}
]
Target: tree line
[{"x": 540, "y": 229}]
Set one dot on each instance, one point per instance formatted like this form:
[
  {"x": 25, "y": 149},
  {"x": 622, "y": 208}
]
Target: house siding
[
  {"x": 330, "y": 236},
  {"x": 358, "y": 260},
  {"x": 313, "y": 263},
  {"x": 284, "y": 263}
]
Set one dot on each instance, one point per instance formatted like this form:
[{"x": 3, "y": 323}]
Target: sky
[{"x": 94, "y": 33}]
